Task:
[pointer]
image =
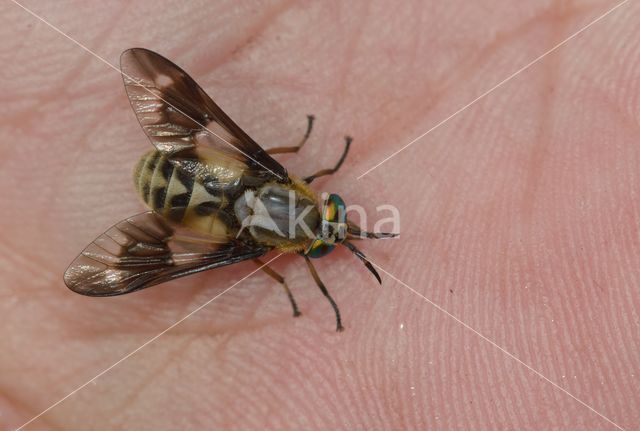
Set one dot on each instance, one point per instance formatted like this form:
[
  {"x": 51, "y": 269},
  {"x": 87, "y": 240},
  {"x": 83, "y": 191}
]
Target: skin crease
[{"x": 519, "y": 217}]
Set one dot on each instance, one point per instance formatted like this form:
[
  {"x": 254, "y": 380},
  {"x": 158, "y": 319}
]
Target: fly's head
[{"x": 332, "y": 229}]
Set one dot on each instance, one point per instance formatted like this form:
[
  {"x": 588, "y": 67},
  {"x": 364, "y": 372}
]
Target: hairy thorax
[{"x": 284, "y": 216}]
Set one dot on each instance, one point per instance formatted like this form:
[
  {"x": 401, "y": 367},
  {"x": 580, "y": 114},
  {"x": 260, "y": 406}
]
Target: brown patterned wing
[
  {"x": 176, "y": 114},
  {"x": 142, "y": 251}
]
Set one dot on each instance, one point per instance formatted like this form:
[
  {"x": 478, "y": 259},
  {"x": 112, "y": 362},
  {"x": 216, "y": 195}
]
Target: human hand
[{"x": 518, "y": 218}]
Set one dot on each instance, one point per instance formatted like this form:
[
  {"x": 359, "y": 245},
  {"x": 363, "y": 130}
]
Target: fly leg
[
  {"x": 325, "y": 292},
  {"x": 324, "y": 172},
  {"x": 295, "y": 149},
  {"x": 280, "y": 279}
]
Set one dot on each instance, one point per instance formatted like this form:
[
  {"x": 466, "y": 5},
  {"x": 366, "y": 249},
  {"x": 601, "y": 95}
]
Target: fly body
[{"x": 215, "y": 197}]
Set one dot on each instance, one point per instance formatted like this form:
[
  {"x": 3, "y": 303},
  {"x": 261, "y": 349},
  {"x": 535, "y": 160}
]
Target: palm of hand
[{"x": 517, "y": 217}]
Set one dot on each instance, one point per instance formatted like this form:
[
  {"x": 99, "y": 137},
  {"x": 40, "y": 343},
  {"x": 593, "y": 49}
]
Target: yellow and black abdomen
[{"x": 180, "y": 197}]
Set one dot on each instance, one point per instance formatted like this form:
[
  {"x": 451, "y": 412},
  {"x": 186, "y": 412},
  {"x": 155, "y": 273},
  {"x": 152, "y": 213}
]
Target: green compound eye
[
  {"x": 333, "y": 213},
  {"x": 320, "y": 248},
  {"x": 334, "y": 210}
]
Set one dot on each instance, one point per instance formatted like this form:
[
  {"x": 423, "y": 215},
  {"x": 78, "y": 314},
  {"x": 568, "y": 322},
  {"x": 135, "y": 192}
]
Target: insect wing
[
  {"x": 176, "y": 114},
  {"x": 142, "y": 251}
]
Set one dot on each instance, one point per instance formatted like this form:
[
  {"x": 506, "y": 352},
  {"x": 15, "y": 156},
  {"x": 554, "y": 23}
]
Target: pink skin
[{"x": 519, "y": 217}]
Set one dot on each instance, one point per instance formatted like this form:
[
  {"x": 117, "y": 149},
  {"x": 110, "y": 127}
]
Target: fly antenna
[
  {"x": 355, "y": 230},
  {"x": 364, "y": 260}
]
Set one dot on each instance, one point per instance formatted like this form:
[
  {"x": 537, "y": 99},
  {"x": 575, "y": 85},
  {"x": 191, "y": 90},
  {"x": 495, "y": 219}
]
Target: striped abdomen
[{"x": 181, "y": 198}]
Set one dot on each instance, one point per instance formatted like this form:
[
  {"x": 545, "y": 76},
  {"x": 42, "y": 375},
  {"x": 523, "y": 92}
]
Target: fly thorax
[{"x": 275, "y": 214}]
